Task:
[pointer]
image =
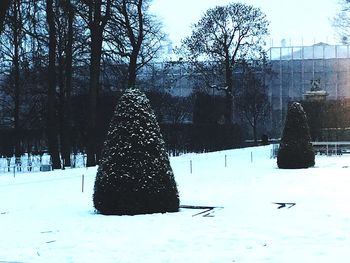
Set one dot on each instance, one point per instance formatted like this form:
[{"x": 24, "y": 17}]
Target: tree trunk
[
  {"x": 229, "y": 89},
  {"x": 228, "y": 113},
  {"x": 97, "y": 25},
  {"x": 132, "y": 69},
  {"x": 61, "y": 98},
  {"x": 65, "y": 79},
  {"x": 95, "y": 67},
  {"x": 255, "y": 131},
  {"x": 135, "y": 42},
  {"x": 66, "y": 133},
  {"x": 52, "y": 134},
  {"x": 16, "y": 75}
]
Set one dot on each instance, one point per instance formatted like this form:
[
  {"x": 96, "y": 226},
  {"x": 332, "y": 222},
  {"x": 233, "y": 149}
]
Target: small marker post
[{"x": 82, "y": 183}]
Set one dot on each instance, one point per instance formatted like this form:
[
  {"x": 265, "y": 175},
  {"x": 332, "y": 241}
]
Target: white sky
[{"x": 298, "y": 21}]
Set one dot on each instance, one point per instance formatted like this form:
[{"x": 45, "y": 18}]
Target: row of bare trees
[
  {"x": 42, "y": 45},
  {"x": 47, "y": 45}
]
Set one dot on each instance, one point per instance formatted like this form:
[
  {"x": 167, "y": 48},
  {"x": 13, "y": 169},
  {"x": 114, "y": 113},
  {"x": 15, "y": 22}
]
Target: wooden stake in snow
[
  {"x": 191, "y": 166},
  {"x": 82, "y": 183},
  {"x": 225, "y": 160}
]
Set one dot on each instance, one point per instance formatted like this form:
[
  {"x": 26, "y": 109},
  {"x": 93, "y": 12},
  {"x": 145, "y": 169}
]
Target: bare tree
[
  {"x": 134, "y": 36},
  {"x": 224, "y": 35}
]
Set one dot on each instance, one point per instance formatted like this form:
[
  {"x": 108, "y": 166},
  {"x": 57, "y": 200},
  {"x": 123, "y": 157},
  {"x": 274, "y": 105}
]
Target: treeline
[
  {"x": 43, "y": 46},
  {"x": 187, "y": 124},
  {"x": 182, "y": 138},
  {"x": 64, "y": 63}
]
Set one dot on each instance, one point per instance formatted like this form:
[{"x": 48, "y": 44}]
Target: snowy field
[{"x": 48, "y": 217}]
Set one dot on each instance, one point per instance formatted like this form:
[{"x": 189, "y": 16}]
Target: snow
[{"x": 45, "y": 216}]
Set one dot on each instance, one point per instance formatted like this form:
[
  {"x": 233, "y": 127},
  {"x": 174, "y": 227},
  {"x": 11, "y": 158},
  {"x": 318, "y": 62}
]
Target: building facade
[{"x": 296, "y": 69}]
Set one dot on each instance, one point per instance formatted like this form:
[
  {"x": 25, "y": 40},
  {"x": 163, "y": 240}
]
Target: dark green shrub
[
  {"x": 134, "y": 174},
  {"x": 295, "y": 148}
]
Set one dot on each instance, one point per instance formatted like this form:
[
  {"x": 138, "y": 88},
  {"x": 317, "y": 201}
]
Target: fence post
[
  {"x": 251, "y": 157},
  {"x": 191, "y": 166},
  {"x": 225, "y": 160}
]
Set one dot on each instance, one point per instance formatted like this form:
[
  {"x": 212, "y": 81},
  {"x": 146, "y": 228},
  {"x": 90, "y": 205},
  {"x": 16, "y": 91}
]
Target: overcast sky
[{"x": 296, "y": 21}]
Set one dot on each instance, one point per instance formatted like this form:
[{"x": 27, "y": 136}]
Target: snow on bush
[
  {"x": 295, "y": 148},
  {"x": 134, "y": 174}
]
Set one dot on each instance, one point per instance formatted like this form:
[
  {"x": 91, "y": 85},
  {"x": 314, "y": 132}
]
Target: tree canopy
[{"x": 224, "y": 35}]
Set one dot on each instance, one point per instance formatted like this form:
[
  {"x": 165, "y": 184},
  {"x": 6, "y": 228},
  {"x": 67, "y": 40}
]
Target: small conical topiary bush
[
  {"x": 134, "y": 175},
  {"x": 295, "y": 148}
]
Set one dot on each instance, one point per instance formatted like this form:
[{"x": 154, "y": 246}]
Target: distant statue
[
  {"x": 315, "y": 93},
  {"x": 315, "y": 84}
]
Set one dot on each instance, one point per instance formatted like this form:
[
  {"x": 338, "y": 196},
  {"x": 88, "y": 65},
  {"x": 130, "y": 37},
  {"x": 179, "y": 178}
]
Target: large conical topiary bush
[
  {"x": 295, "y": 148},
  {"x": 134, "y": 175}
]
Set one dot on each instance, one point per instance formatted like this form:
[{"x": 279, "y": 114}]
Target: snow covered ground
[{"x": 45, "y": 216}]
